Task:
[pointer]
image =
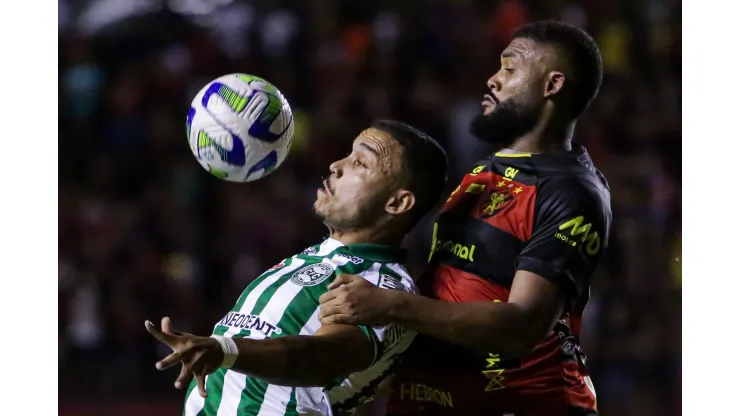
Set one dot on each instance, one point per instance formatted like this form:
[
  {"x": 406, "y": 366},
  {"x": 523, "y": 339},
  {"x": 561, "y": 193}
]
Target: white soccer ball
[{"x": 240, "y": 127}]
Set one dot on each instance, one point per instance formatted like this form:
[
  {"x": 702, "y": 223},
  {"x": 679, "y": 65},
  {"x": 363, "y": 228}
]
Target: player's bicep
[{"x": 540, "y": 301}]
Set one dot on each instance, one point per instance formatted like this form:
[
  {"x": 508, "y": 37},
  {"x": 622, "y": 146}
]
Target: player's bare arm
[
  {"x": 514, "y": 327},
  {"x": 335, "y": 350}
]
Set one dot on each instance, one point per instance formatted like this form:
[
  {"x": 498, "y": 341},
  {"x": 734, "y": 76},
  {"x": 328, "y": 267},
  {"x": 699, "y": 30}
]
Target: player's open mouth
[{"x": 327, "y": 189}]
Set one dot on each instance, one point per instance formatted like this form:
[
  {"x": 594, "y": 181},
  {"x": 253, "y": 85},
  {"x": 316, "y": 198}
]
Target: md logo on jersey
[
  {"x": 495, "y": 202},
  {"x": 312, "y": 275}
]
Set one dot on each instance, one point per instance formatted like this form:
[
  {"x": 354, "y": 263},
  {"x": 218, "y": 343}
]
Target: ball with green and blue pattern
[{"x": 240, "y": 127}]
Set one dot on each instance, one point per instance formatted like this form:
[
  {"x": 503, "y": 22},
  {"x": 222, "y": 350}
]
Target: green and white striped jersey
[{"x": 285, "y": 301}]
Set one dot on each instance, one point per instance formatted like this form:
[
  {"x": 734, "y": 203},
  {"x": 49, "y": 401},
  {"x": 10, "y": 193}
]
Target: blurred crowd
[{"x": 145, "y": 232}]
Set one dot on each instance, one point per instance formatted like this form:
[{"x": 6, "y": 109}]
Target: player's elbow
[
  {"x": 522, "y": 344},
  {"x": 521, "y": 332}
]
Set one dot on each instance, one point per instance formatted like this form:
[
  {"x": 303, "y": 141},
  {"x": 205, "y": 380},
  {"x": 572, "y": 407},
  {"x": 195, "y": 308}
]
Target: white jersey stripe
[
  {"x": 194, "y": 403},
  {"x": 277, "y": 397},
  {"x": 235, "y": 383},
  {"x": 257, "y": 292}
]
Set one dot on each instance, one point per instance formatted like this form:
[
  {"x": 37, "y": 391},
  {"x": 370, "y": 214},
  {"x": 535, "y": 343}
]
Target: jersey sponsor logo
[
  {"x": 493, "y": 374},
  {"x": 496, "y": 201},
  {"x": 475, "y": 188},
  {"x": 312, "y": 275},
  {"x": 248, "y": 321},
  {"x": 510, "y": 173},
  {"x": 590, "y": 240},
  {"x": 493, "y": 370},
  {"x": 462, "y": 251},
  {"x": 417, "y": 392},
  {"x": 309, "y": 251},
  {"x": 478, "y": 169},
  {"x": 277, "y": 266},
  {"x": 351, "y": 259},
  {"x": 388, "y": 281}
]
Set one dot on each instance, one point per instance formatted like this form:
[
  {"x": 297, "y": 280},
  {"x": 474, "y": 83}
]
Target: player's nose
[
  {"x": 493, "y": 83},
  {"x": 336, "y": 168}
]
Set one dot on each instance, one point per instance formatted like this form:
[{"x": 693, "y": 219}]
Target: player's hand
[
  {"x": 353, "y": 300},
  {"x": 199, "y": 356}
]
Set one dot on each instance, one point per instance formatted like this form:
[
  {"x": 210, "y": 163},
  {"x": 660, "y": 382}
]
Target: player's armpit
[{"x": 302, "y": 360}]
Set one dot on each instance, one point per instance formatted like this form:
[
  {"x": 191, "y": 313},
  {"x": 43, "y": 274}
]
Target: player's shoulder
[{"x": 387, "y": 273}]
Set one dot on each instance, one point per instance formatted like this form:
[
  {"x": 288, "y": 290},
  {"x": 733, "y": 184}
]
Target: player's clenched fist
[
  {"x": 199, "y": 356},
  {"x": 355, "y": 301}
]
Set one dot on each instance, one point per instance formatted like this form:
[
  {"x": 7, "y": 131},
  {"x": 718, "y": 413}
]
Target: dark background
[{"x": 145, "y": 232}]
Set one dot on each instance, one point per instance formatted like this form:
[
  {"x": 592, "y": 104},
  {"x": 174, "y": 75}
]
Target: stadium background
[{"x": 145, "y": 232}]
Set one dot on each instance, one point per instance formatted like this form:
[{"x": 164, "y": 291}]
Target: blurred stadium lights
[{"x": 98, "y": 15}]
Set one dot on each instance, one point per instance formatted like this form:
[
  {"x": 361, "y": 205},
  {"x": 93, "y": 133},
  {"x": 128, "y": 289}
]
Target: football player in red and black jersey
[{"x": 513, "y": 252}]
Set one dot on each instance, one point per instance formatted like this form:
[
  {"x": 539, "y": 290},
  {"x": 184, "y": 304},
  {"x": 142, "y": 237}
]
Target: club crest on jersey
[
  {"x": 495, "y": 202},
  {"x": 312, "y": 275}
]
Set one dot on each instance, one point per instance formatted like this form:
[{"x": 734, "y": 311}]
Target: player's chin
[{"x": 319, "y": 208}]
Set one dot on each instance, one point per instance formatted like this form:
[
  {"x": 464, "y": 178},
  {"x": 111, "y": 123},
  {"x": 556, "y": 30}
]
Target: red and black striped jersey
[{"x": 546, "y": 214}]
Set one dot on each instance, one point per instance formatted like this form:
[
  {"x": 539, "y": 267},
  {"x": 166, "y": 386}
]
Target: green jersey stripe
[
  {"x": 283, "y": 301},
  {"x": 256, "y": 295},
  {"x": 276, "y": 398},
  {"x": 233, "y": 386},
  {"x": 214, "y": 387},
  {"x": 273, "y": 312},
  {"x": 252, "y": 397}
]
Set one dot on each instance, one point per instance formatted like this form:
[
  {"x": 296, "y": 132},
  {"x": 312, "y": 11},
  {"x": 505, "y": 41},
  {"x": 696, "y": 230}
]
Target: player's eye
[
  {"x": 358, "y": 163},
  {"x": 509, "y": 70}
]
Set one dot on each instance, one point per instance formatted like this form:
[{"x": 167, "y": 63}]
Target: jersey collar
[{"x": 372, "y": 252}]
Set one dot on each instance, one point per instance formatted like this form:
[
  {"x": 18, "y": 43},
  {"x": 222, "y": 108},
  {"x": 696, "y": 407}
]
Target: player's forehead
[
  {"x": 519, "y": 49},
  {"x": 530, "y": 51},
  {"x": 376, "y": 142},
  {"x": 379, "y": 146}
]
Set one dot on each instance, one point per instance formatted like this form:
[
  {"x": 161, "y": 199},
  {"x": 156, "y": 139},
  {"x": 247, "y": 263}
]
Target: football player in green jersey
[{"x": 270, "y": 355}]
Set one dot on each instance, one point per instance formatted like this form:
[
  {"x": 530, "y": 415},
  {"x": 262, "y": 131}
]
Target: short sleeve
[
  {"x": 571, "y": 228},
  {"x": 393, "y": 339}
]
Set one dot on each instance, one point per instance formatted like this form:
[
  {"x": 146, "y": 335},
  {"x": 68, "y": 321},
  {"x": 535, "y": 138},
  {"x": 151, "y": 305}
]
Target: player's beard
[{"x": 508, "y": 122}]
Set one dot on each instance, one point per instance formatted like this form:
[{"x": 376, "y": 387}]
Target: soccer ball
[{"x": 240, "y": 127}]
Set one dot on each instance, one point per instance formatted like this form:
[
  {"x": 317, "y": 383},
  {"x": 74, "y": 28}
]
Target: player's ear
[
  {"x": 401, "y": 201},
  {"x": 555, "y": 83}
]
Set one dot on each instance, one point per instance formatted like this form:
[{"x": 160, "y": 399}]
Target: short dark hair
[
  {"x": 582, "y": 53},
  {"x": 424, "y": 164}
]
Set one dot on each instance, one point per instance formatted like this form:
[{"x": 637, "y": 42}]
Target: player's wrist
[
  {"x": 229, "y": 349},
  {"x": 394, "y": 304}
]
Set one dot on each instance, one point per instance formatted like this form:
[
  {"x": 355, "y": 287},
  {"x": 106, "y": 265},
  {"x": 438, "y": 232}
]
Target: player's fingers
[
  {"x": 336, "y": 319},
  {"x": 171, "y": 360},
  {"x": 184, "y": 378},
  {"x": 335, "y": 316},
  {"x": 327, "y": 296},
  {"x": 200, "y": 380},
  {"x": 342, "y": 279},
  {"x": 167, "y": 326},
  {"x": 169, "y": 339},
  {"x": 329, "y": 308}
]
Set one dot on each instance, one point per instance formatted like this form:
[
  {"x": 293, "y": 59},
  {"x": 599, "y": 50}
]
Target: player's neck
[
  {"x": 365, "y": 236},
  {"x": 546, "y": 139}
]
